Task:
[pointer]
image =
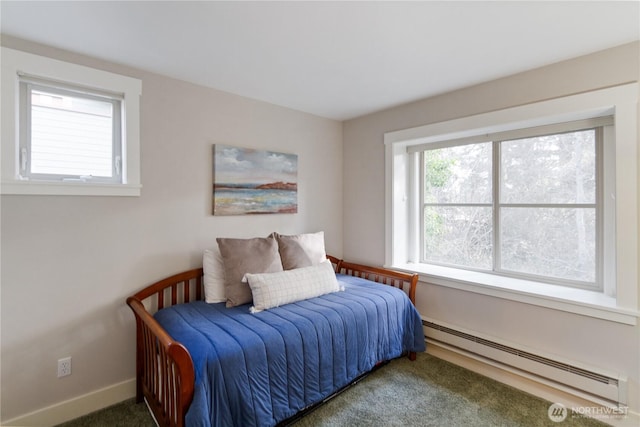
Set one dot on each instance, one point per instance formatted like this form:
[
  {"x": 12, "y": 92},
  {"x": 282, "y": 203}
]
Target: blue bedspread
[{"x": 259, "y": 369}]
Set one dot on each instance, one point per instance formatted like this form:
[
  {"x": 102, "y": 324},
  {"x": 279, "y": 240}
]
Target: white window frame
[
  {"x": 402, "y": 180},
  {"x": 17, "y": 63},
  {"x": 598, "y": 125}
]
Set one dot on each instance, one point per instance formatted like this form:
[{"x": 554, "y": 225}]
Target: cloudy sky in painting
[{"x": 241, "y": 166}]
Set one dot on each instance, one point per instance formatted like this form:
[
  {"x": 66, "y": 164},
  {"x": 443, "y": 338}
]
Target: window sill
[
  {"x": 44, "y": 188},
  {"x": 578, "y": 301}
]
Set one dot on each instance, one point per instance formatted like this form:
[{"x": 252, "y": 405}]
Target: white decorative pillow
[
  {"x": 213, "y": 276},
  {"x": 275, "y": 289}
]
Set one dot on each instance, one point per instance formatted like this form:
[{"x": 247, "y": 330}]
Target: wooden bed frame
[{"x": 164, "y": 370}]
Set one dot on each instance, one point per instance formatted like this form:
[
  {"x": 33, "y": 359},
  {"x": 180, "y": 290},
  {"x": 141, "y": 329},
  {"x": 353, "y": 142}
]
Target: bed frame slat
[
  {"x": 174, "y": 294},
  {"x": 186, "y": 290},
  {"x": 199, "y": 289}
]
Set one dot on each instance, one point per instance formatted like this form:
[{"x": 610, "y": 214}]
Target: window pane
[
  {"x": 458, "y": 236},
  {"x": 549, "y": 169},
  {"x": 554, "y": 242},
  {"x": 460, "y": 174},
  {"x": 71, "y": 135}
]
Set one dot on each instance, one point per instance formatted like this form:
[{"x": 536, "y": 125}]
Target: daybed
[{"x": 265, "y": 368}]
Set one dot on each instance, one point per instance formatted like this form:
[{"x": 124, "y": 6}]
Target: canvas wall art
[{"x": 247, "y": 181}]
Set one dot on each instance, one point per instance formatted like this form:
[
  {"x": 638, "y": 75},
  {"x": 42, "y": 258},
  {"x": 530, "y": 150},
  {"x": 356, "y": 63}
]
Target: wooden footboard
[
  {"x": 405, "y": 281},
  {"x": 164, "y": 369}
]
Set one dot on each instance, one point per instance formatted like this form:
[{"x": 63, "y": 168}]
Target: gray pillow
[
  {"x": 241, "y": 256},
  {"x": 301, "y": 250}
]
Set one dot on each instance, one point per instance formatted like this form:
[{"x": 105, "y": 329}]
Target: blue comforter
[{"x": 260, "y": 369}]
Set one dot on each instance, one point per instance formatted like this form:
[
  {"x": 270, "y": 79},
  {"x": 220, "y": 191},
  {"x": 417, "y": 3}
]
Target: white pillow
[
  {"x": 274, "y": 289},
  {"x": 213, "y": 276}
]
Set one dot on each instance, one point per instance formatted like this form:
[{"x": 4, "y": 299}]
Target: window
[
  {"x": 68, "y": 129},
  {"x": 524, "y": 207},
  {"x": 536, "y": 203},
  {"x": 69, "y": 133}
]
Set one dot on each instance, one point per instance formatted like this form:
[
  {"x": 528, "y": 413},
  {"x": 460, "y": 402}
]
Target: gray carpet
[{"x": 427, "y": 392}]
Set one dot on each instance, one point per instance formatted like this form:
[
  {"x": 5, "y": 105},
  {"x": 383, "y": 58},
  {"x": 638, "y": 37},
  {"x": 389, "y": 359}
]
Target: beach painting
[{"x": 247, "y": 181}]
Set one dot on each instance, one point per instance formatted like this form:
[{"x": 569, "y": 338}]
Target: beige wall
[
  {"x": 599, "y": 343},
  {"x": 68, "y": 263}
]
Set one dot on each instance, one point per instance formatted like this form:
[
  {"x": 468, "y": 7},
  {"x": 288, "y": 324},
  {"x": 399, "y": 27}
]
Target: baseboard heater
[{"x": 581, "y": 381}]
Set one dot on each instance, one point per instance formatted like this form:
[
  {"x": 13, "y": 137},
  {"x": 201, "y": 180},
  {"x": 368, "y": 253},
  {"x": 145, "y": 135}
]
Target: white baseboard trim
[
  {"x": 76, "y": 407},
  {"x": 511, "y": 377}
]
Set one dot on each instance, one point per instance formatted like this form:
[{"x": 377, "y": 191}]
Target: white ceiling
[{"x": 334, "y": 59}]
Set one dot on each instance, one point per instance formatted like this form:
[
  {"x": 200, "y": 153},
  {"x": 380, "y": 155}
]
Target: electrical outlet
[{"x": 64, "y": 367}]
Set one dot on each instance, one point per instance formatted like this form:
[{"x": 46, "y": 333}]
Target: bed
[{"x": 267, "y": 368}]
